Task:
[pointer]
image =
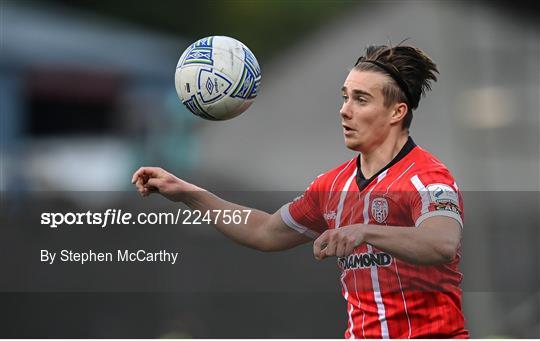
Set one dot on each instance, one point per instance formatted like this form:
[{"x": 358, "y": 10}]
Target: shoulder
[
  {"x": 428, "y": 165},
  {"x": 431, "y": 175},
  {"x": 432, "y": 188},
  {"x": 332, "y": 178}
]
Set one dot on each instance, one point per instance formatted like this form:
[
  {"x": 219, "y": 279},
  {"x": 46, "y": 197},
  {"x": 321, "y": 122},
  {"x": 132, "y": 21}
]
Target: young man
[{"x": 392, "y": 215}]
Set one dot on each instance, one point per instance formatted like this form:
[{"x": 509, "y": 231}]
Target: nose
[{"x": 345, "y": 111}]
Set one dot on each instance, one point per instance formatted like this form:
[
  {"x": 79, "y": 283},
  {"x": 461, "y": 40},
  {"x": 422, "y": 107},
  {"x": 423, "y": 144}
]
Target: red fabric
[{"x": 411, "y": 300}]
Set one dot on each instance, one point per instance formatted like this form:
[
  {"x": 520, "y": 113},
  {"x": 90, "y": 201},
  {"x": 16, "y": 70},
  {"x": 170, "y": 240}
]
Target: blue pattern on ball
[
  {"x": 212, "y": 85},
  {"x": 193, "y": 105},
  {"x": 251, "y": 77},
  {"x": 200, "y": 52}
]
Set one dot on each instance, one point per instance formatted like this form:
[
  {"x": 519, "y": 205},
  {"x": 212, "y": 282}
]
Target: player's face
[{"x": 365, "y": 119}]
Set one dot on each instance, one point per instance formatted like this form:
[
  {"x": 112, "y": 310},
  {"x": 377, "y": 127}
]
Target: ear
[{"x": 399, "y": 113}]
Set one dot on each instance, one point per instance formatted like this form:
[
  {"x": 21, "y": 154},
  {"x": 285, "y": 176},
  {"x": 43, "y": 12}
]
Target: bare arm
[
  {"x": 435, "y": 241},
  {"x": 261, "y": 231}
]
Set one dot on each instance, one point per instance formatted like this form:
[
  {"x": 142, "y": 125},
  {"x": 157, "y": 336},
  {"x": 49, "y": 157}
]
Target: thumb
[
  {"x": 321, "y": 254},
  {"x": 319, "y": 246}
]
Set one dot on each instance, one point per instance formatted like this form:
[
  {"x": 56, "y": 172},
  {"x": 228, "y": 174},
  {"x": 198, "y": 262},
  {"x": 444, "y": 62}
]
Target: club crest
[{"x": 379, "y": 209}]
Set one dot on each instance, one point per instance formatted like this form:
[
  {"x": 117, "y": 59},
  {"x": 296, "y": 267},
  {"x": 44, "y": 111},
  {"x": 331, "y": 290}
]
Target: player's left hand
[{"x": 338, "y": 242}]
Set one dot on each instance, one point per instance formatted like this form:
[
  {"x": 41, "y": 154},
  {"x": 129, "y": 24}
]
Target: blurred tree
[{"x": 251, "y": 21}]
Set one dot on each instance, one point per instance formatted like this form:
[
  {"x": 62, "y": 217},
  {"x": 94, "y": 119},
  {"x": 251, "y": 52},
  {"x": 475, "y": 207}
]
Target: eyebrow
[{"x": 357, "y": 92}]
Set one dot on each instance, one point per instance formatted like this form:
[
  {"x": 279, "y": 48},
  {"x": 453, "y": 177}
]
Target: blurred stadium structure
[
  {"x": 86, "y": 98},
  {"x": 84, "y": 101}
]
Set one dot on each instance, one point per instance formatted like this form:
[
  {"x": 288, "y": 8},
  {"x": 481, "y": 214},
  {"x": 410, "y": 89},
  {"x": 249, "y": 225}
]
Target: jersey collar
[{"x": 361, "y": 180}]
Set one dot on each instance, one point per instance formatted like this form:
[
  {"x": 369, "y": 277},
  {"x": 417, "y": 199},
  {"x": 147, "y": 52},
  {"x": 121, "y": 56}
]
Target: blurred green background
[{"x": 254, "y": 21}]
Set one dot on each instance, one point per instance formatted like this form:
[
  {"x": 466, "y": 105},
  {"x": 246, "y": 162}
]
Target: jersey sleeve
[
  {"x": 435, "y": 194},
  {"x": 304, "y": 214}
]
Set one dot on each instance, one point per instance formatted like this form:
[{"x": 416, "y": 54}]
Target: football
[{"x": 217, "y": 78}]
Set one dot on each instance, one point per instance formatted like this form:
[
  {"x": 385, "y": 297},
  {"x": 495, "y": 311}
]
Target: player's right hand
[{"x": 149, "y": 180}]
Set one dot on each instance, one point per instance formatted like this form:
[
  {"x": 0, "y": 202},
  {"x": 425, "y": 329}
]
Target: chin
[{"x": 352, "y": 145}]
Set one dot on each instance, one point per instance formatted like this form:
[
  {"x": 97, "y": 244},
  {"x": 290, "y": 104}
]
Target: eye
[
  {"x": 344, "y": 97},
  {"x": 361, "y": 99}
]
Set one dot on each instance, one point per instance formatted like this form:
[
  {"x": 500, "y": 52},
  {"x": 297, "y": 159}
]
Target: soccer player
[{"x": 392, "y": 215}]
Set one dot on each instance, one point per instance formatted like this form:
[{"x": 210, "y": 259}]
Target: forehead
[{"x": 369, "y": 81}]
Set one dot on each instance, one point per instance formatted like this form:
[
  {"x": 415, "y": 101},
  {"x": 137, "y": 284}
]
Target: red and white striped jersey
[{"x": 388, "y": 297}]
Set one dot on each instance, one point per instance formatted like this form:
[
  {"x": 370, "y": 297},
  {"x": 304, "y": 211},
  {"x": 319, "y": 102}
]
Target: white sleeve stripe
[
  {"x": 290, "y": 222},
  {"x": 449, "y": 214},
  {"x": 424, "y": 194},
  {"x": 337, "y": 176},
  {"x": 342, "y": 197},
  {"x": 334, "y": 182}
]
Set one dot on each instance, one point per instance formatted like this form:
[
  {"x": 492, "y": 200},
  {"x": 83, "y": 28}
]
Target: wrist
[
  {"x": 188, "y": 193},
  {"x": 362, "y": 234}
]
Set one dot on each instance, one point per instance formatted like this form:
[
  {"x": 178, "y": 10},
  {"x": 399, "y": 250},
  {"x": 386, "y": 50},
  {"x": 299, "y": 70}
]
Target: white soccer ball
[{"x": 217, "y": 78}]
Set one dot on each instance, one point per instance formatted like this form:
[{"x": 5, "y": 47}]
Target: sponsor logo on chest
[{"x": 364, "y": 260}]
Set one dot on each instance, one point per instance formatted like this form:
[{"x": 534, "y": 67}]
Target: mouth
[{"x": 346, "y": 129}]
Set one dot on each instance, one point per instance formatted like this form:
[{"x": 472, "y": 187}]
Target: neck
[{"x": 375, "y": 159}]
